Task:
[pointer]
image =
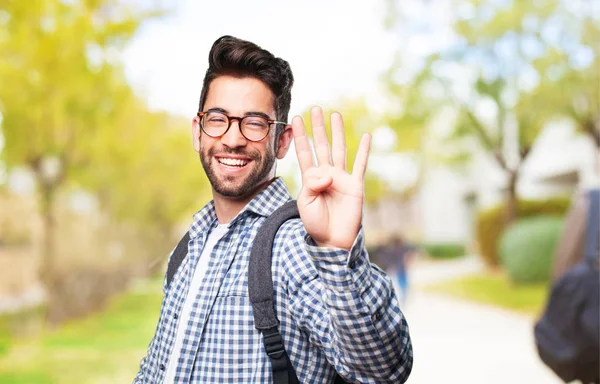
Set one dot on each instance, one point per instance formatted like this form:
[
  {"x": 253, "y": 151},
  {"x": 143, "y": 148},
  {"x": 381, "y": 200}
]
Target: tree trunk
[
  {"x": 48, "y": 251},
  {"x": 590, "y": 127},
  {"x": 511, "y": 198},
  {"x": 47, "y": 188}
]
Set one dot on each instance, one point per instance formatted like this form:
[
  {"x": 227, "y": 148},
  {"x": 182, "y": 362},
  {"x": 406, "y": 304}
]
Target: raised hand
[{"x": 331, "y": 199}]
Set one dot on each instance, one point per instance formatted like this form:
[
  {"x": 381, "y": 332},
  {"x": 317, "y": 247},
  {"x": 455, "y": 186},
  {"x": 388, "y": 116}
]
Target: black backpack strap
[
  {"x": 260, "y": 290},
  {"x": 592, "y": 235},
  {"x": 177, "y": 257}
]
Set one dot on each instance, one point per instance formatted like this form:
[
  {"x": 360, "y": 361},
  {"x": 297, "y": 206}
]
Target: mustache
[{"x": 254, "y": 155}]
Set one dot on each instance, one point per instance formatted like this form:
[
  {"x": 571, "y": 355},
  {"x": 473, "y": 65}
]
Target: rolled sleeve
[
  {"x": 371, "y": 341},
  {"x": 338, "y": 268}
]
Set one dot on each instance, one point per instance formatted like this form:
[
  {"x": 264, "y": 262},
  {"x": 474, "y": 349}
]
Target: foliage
[
  {"x": 527, "y": 248},
  {"x": 506, "y": 68},
  {"x": 148, "y": 173},
  {"x": 60, "y": 82},
  {"x": 19, "y": 324},
  {"x": 544, "y": 52},
  {"x": 555, "y": 44},
  {"x": 490, "y": 223},
  {"x": 444, "y": 250},
  {"x": 497, "y": 290},
  {"x": 62, "y": 87},
  {"x": 105, "y": 347},
  {"x": 64, "y": 99}
]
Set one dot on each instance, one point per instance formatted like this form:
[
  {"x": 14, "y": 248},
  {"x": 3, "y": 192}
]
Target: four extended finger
[
  {"x": 362, "y": 157},
  {"x": 338, "y": 141},
  {"x": 320, "y": 138},
  {"x": 302, "y": 145}
]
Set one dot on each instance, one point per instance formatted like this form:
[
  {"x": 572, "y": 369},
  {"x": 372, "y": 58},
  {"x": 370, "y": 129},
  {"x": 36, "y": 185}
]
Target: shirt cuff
[{"x": 338, "y": 268}]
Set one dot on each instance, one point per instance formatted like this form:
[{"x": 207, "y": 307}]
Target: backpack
[
  {"x": 567, "y": 335},
  {"x": 260, "y": 290}
]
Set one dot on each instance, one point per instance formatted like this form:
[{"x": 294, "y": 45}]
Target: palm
[{"x": 331, "y": 199}]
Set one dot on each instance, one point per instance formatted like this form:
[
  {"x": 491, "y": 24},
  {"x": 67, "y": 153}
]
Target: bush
[
  {"x": 80, "y": 290},
  {"x": 444, "y": 250},
  {"x": 527, "y": 248},
  {"x": 490, "y": 223}
]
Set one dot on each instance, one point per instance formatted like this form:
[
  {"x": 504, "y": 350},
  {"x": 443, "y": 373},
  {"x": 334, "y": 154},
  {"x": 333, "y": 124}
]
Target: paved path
[{"x": 458, "y": 341}]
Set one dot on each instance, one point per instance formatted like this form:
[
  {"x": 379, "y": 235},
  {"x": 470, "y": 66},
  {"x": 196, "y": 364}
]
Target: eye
[
  {"x": 216, "y": 118},
  {"x": 255, "y": 122}
]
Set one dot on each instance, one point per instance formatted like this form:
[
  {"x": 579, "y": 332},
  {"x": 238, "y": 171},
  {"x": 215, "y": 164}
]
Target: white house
[{"x": 560, "y": 162}]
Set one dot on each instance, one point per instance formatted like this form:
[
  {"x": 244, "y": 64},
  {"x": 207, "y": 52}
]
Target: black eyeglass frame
[{"x": 230, "y": 119}]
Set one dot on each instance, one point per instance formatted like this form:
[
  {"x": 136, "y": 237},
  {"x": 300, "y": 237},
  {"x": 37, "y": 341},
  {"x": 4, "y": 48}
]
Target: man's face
[{"x": 235, "y": 166}]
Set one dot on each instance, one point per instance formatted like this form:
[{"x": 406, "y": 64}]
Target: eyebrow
[{"x": 250, "y": 113}]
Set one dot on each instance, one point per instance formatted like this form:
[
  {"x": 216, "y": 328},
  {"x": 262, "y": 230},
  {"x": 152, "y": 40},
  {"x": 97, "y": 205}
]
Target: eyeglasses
[{"x": 253, "y": 128}]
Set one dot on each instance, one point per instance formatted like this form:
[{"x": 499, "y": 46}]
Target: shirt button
[
  {"x": 176, "y": 316},
  {"x": 162, "y": 367}
]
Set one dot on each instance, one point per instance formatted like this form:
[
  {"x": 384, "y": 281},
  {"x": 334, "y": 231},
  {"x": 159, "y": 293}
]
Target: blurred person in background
[
  {"x": 398, "y": 256},
  {"x": 338, "y": 314}
]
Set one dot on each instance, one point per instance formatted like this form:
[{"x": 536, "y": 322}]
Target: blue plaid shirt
[{"x": 338, "y": 312}]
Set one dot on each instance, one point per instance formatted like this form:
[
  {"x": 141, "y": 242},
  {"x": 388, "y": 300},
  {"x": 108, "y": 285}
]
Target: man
[
  {"x": 399, "y": 254},
  {"x": 337, "y": 312}
]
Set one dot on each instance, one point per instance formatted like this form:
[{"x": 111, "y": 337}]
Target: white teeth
[{"x": 232, "y": 162}]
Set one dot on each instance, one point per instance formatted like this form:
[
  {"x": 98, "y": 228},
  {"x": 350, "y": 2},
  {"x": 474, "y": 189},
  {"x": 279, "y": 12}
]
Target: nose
[{"x": 233, "y": 138}]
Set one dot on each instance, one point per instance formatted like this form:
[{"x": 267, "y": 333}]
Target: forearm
[{"x": 366, "y": 334}]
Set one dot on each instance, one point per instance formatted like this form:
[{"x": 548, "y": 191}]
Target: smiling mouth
[{"x": 232, "y": 162}]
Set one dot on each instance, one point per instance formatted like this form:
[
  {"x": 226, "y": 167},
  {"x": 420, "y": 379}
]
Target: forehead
[{"x": 240, "y": 95}]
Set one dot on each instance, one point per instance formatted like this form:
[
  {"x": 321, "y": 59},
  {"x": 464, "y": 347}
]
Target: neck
[{"x": 227, "y": 208}]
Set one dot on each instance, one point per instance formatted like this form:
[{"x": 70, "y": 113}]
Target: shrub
[
  {"x": 527, "y": 248},
  {"x": 490, "y": 223},
  {"x": 79, "y": 290},
  {"x": 444, "y": 250}
]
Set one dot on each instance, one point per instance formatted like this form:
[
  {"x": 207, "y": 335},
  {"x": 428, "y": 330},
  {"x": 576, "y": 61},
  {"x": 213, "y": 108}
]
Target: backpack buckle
[{"x": 273, "y": 343}]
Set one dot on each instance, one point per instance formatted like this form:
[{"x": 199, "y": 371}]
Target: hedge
[
  {"x": 489, "y": 223},
  {"x": 444, "y": 250},
  {"x": 527, "y": 248}
]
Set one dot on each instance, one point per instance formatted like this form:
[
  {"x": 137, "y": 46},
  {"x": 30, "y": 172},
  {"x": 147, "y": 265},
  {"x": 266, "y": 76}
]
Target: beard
[{"x": 236, "y": 186}]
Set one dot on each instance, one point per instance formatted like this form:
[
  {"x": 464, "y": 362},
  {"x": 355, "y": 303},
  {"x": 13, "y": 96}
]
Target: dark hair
[{"x": 239, "y": 58}]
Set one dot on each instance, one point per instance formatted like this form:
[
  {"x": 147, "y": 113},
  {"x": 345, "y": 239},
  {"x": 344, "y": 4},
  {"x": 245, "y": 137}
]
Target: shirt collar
[{"x": 263, "y": 204}]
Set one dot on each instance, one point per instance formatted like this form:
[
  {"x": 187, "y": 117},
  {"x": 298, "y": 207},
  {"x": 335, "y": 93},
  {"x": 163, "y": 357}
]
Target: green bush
[
  {"x": 444, "y": 250},
  {"x": 490, "y": 223},
  {"x": 527, "y": 248}
]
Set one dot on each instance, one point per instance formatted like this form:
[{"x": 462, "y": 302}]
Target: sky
[{"x": 335, "y": 48}]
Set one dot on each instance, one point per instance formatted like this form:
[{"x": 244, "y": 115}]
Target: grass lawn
[
  {"x": 494, "y": 288},
  {"x": 102, "y": 348}
]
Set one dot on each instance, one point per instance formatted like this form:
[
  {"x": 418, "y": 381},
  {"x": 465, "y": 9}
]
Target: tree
[
  {"x": 149, "y": 175},
  {"x": 412, "y": 116},
  {"x": 509, "y": 68},
  {"x": 61, "y": 85}
]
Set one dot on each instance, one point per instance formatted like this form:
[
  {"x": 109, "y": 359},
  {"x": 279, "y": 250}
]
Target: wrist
[{"x": 330, "y": 245}]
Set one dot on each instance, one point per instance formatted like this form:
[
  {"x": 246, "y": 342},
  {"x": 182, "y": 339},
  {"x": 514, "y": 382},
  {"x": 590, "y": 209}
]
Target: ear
[
  {"x": 285, "y": 139},
  {"x": 196, "y": 132}
]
